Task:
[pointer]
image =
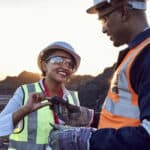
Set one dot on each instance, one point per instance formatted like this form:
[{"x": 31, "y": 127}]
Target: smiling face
[{"x": 58, "y": 67}]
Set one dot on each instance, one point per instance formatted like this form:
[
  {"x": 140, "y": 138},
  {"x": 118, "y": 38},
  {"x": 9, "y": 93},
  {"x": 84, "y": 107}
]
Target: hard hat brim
[
  {"x": 92, "y": 9},
  {"x": 72, "y": 53},
  {"x": 135, "y": 4}
]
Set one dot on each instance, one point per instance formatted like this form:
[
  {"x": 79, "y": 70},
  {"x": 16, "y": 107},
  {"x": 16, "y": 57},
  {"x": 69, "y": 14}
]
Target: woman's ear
[{"x": 44, "y": 67}]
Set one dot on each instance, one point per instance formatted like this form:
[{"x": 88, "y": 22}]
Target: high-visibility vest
[
  {"x": 120, "y": 107},
  {"x": 35, "y": 128}
]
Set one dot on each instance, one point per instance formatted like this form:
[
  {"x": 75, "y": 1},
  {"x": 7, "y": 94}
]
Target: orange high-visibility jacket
[{"x": 121, "y": 108}]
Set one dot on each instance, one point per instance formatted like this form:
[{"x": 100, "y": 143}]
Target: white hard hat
[
  {"x": 60, "y": 45},
  {"x": 136, "y": 4}
]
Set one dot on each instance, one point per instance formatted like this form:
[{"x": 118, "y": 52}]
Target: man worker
[{"x": 124, "y": 122}]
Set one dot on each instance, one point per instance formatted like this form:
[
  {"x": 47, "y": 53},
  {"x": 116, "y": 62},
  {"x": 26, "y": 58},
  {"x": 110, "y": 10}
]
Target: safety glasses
[{"x": 60, "y": 60}]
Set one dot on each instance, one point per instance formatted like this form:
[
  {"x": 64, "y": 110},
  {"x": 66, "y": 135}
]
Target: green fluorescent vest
[{"x": 33, "y": 131}]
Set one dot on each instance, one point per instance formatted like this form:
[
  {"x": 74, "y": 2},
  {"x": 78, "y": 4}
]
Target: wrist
[
  {"x": 20, "y": 114},
  {"x": 25, "y": 110}
]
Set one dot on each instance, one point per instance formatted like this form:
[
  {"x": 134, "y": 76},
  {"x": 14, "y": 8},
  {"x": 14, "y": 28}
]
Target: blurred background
[{"x": 27, "y": 26}]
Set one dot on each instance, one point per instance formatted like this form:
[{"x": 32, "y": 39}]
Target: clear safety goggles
[{"x": 60, "y": 60}]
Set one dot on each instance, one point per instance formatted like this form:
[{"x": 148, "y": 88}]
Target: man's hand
[
  {"x": 70, "y": 138},
  {"x": 71, "y": 114}
]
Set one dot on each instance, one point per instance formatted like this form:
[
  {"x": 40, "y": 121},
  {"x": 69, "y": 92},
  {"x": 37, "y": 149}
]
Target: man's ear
[{"x": 125, "y": 13}]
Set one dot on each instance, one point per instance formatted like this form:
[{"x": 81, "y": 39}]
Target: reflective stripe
[
  {"x": 121, "y": 100},
  {"x": 26, "y": 146},
  {"x": 146, "y": 125},
  {"x": 122, "y": 108},
  {"x": 32, "y": 119},
  {"x": 76, "y": 98},
  {"x": 73, "y": 98}
]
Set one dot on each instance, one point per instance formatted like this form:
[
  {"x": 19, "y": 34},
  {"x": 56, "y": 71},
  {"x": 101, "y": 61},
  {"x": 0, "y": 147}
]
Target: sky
[{"x": 28, "y": 26}]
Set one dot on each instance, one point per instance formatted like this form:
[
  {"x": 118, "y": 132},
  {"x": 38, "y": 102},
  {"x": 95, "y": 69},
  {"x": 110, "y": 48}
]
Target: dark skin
[{"x": 125, "y": 22}]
